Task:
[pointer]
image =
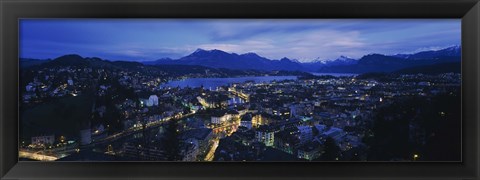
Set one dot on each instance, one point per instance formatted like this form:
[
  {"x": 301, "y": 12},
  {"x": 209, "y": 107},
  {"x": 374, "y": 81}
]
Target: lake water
[
  {"x": 334, "y": 74},
  {"x": 213, "y": 83}
]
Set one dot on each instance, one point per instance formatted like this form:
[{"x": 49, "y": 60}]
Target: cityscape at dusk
[{"x": 313, "y": 90}]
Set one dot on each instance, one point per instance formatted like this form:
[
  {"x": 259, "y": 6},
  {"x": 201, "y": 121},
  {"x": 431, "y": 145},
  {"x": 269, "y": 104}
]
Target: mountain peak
[
  {"x": 217, "y": 51},
  {"x": 453, "y": 51},
  {"x": 165, "y": 59},
  {"x": 69, "y": 56},
  {"x": 199, "y": 50},
  {"x": 454, "y": 48},
  {"x": 344, "y": 58},
  {"x": 285, "y": 59},
  {"x": 69, "y": 60},
  {"x": 251, "y": 55},
  {"x": 374, "y": 55}
]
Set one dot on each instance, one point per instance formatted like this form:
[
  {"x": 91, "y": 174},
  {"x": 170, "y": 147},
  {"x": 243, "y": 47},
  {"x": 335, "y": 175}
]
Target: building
[
  {"x": 287, "y": 141},
  {"x": 43, "y": 140},
  {"x": 235, "y": 100},
  {"x": 219, "y": 117},
  {"x": 241, "y": 110},
  {"x": 283, "y": 112},
  {"x": 213, "y": 101},
  {"x": 265, "y": 135},
  {"x": 202, "y": 135},
  {"x": 70, "y": 82},
  {"x": 152, "y": 100},
  {"x": 335, "y": 133},
  {"x": 246, "y": 121},
  {"x": 263, "y": 119},
  {"x": 320, "y": 128},
  {"x": 232, "y": 114},
  {"x": 309, "y": 151},
  {"x": 306, "y": 134},
  {"x": 244, "y": 135},
  {"x": 190, "y": 150},
  {"x": 136, "y": 151},
  {"x": 222, "y": 116},
  {"x": 240, "y": 93}
]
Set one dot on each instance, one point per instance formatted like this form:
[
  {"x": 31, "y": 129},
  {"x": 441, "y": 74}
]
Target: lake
[
  {"x": 213, "y": 83},
  {"x": 334, "y": 74}
]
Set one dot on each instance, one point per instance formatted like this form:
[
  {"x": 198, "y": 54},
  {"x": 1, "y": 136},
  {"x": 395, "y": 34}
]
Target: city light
[
  {"x": 216, "y": 105},
  {"x": 415, "y": 157}
]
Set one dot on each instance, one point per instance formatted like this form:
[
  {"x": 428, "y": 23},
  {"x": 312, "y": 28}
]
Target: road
[
  {"x": 211, "y": 152},
  {"x": 36, "y": 156},
  {"x": 39, "y": 155},
  {"x": 136, "y": 129}
]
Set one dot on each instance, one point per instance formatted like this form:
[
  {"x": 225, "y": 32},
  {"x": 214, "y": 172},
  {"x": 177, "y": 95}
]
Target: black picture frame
[{"x": 12, "y": 10}]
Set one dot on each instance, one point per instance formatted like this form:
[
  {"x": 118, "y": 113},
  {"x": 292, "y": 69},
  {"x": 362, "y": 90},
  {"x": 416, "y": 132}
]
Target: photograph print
[{"x": 235, "y": 90}]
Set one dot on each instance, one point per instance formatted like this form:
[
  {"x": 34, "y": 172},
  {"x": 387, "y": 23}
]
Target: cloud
[
  {"x": 272, "y": 38},
  {"x": 304, "y": 46}
]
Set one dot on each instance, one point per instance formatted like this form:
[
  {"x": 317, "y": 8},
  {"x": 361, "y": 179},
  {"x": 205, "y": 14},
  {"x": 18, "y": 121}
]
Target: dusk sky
[{"x": 304, "y": 40}]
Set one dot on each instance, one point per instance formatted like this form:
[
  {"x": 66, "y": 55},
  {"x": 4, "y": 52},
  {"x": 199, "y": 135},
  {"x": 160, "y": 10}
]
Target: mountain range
[
  {"x": 217, "y": 59},
  {"x": 220, "y": 59},
  {"x": 168, "y": 70},
  {"x": 368, "y": 63}
]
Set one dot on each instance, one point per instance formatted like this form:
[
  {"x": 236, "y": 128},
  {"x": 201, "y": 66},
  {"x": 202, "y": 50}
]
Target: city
[
  {"x": 240, "y": 90},
  {"x": 130, "y": 116}
]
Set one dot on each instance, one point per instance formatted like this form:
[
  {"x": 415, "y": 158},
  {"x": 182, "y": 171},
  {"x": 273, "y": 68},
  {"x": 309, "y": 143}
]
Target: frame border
[{"x": 12, "y": 10}]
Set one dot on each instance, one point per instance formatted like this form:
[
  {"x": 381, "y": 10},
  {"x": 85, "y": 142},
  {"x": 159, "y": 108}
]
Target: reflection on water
[{"x": 213, "y": 83}]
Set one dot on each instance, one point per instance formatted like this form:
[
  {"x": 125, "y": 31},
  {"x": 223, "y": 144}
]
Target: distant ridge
[
  {"x": 454, "y": 67},
  {"x": 218, "y": 59},
  {"x": 369, "y": 63}
]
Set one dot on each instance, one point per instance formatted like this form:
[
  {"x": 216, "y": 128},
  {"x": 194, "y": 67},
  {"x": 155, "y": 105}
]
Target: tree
[
  {"x": 391, "y": 132},
  {"x": 428, "y": 126},
  {"x": 171, "y": 141},
  {"x": 332, "y": 151}
]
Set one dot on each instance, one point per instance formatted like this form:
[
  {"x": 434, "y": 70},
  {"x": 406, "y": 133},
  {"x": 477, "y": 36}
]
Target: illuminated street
[
  {"x": 36, "y": 156},
  {"x": 211, "y": 152}
]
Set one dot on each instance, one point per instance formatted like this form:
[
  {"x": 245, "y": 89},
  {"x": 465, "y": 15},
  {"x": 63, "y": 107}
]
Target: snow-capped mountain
[{"x": 373, "y": 62}]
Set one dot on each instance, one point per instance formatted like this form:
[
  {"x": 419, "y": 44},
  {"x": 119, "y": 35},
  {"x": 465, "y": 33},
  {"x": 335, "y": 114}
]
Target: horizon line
[{"x": 215, "y": 49}]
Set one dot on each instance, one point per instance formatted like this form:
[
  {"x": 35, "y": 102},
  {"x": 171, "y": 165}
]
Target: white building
[
  {"x": 265, "y": 135},
  {"x": 235, "y": 100},
  {"x": 152, "y": 100},
  {"x": 219, "y": 119}
]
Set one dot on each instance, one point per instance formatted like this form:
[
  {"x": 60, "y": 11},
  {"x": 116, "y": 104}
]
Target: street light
[{"x": 415, "y": 157}]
